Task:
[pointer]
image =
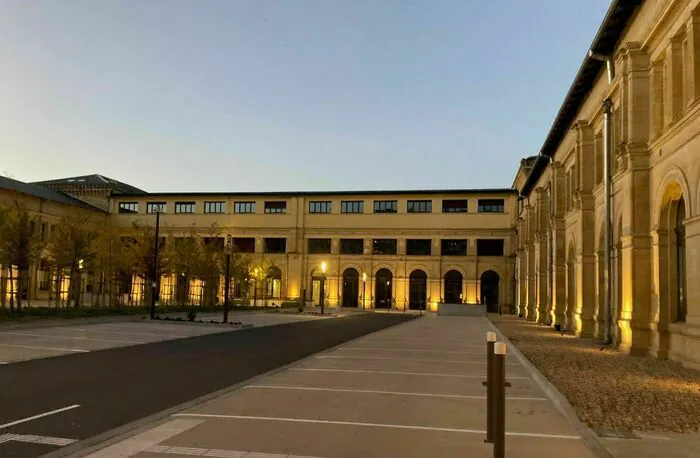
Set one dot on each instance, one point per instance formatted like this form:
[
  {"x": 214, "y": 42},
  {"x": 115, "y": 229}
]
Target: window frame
[
  {"x": 352, "y": 252},
  {"x": 346, "y": 205},
  {"x": 380, "y": 206},
  {"x": 503, "y": 246},
  {"x": 444, "y": 252},
  {"x": 123, "y": 209},
  {"x": 310, "y": 240},
  {"x": 382, "y": 253},
  {"x": 430, "y": 247},
  {"x": 320, "y": 206},
  {"x": 163, "y": 207},
  {"x": 419, "y": 206},
  {"x": 219, "y": 204},
  {"x": 455, "y": 209},
  {"x": 487, "y": 207},
  {"x": 245, "y": 204},
  {"x": 185, "y": 203},
  {"x": 274, "y": 210},
  {"x": 269, "y": 239}
]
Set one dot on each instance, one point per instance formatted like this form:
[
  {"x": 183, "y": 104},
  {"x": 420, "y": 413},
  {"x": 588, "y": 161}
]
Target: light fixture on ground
[{"x": 322, "y": 291}]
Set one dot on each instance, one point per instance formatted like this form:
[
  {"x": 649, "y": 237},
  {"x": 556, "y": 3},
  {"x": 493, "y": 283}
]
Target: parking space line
[
  {"x": 374, "y": 425},
  {"x": 409, "y": 359},
  {"x": 428, "y": 374},
  {"x": 398, "y": 393},
  {"x": 50, "y": 336},
  {"x": 41, "y": 415},
  {"x": 421, "y": 350},
  {"x": 214, "y": 452},
  {"x": 111, "y": 331},
  {"x": 34, "y": 347}
]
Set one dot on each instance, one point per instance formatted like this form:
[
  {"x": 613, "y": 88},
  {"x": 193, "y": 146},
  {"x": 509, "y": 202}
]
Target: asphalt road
[{"x": 116, "y": 386}]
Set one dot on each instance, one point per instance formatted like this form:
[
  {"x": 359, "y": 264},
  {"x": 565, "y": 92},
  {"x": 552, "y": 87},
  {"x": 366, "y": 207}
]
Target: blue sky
[{"x": 260, "y": 95}]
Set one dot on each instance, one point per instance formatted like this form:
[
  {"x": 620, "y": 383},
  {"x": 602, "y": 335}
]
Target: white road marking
[
  {"x": 47, "y": 440},
  {"x": 7, "y": 437},
  {"x": 374, "y": 425},
  {"x": 421, "y": 350},
  {"x": 4, "y": 362},
  {"x": 41, "y": 415},
  {"x": 399, "y": 393},
  {"x": 409, "y": 359},
  {"x": 115, "y": 331},
  {"x": 215, "y": 452},
  {"x": 51, "y": 336},
  {"x": 427, "y": 374},
  {"x": 140, "y": 442},
  {"x": 34, "y": 347}
]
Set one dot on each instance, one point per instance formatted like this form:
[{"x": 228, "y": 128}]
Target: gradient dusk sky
[{"x": 284, "y": 95}]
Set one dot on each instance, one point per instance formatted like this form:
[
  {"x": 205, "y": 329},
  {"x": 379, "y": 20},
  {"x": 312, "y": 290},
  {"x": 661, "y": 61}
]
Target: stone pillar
[
  {"x": 659, "y": 315},
  {"x": 531, "y": 283},
  {"x": 691, "y": 328}
]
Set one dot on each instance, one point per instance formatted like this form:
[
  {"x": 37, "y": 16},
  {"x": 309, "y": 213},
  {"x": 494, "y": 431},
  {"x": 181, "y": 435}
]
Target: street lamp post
[
  {"x": 155, "y": 267},
  {"x": 227, "y": 281},
  {"x": 322, "y": 293},
  {"x": 364, "y": 284}
]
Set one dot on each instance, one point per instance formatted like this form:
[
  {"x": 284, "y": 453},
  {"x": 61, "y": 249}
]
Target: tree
[
  {"x": 139, "y": 247},
  {"x": 71, "y": 250},
  {"x": 20, "y": 247},
  {"x": 184, "y": 255},
  {"x": 109, "y": 259},
  {"x": 259, "y": 272}
]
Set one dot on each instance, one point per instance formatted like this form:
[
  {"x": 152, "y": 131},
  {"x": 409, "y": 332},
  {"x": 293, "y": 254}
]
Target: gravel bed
[{"x": 610, "y": 389}]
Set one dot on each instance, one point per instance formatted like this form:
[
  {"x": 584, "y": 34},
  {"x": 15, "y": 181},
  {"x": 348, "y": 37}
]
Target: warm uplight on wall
[{"x": 323, "y": 267}]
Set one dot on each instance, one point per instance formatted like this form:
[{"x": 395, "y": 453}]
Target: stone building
[{"x": 654, "y": 50}]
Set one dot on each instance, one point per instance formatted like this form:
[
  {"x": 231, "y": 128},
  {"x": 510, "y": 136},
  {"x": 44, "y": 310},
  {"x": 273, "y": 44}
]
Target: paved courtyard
[
  {"x": 413, "y": 390},
  {"x": 30, "y": 342}
]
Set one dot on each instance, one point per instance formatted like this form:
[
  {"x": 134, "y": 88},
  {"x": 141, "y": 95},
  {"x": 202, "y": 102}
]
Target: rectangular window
[
  {"x": 455, "y": 206},
  {"x": 489, "y": 247},
  {"x": 319, "y": 206},
  {"x": 244, "y": 244},
  {"x": 453, "y": 247},
  {"x": 352, "y": 246},
  {"x": 155, "y": 207},
  {"x": 215, "y": 243},
  {"x": 43, "y": 231},
  {"x": 420, "y": 206},
  {"x": 128, "y": 207},
  {"x": 491, "y": 206},
  {"x": 384, "y": 246},
  {"x": 244, "y": 207},
  {"x": 352, "y": 206},
  {"x": 384, "y": 206},
  {"x": 418, "y": 247},
  {"x": 184, "y": 207},
  {"x": 275, "y": 245},
  {"x": 319, "y": 246},
  {"x": 214, "y": 207},
  {"x": 276, "y": 207}
]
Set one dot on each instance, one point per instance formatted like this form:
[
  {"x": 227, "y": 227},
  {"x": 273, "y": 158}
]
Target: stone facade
[{"x": 655, "y": 96}]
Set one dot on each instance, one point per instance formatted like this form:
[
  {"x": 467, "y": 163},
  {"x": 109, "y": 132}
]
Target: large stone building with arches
[
  {"x": 654, "y": 97},
  {"x": 384, "y": 249}
]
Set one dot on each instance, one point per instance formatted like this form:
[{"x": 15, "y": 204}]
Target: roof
[
  {"x": 43, "y": 193},
  {"x": 95, "y": 180},
  {"x": 323, "y": 193},
  {"x": 617, "y": 18}
]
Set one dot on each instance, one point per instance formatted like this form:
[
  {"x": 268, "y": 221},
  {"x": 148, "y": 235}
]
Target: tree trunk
[{"x": 18, "y": 290}]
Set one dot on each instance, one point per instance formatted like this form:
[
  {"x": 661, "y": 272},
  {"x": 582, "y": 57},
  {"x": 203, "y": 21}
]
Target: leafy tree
[
  {"x": 110, "y": 257},
  {"x": 184, "y": 256},
  {"x": 140, "y": 249},
  {"x": 259, "y": 272},
  {"x": 20, "y": 247}
]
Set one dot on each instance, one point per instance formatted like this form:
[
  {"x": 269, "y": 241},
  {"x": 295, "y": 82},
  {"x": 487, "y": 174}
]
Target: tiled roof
[{"x": 42, "y": 193}]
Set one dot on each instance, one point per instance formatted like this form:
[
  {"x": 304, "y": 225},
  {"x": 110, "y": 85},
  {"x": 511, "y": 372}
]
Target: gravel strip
[{"x": 609, "y": 389}]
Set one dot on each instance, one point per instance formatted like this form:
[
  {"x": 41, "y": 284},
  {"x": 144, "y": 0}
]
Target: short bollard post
[
  {"x": 499, "y": 400},
  {"x": 490, "y": 342}
]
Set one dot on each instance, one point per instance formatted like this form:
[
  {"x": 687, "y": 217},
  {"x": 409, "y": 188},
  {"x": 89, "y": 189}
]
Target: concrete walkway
[{"x": 410, "y": 391}]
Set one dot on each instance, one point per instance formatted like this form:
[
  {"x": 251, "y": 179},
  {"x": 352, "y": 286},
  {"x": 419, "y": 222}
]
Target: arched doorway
[
  {"x": 382, "y": 289},
  {"x": 417, "y": 290},
  {"x": 318, "y": 277},
  {"x": 351, "y": 287},
  {"x": 489, "y": 290},
  {"x": 273, "y": 283},
  {"x": 680, "y": 299},
  {"x": 453, "y": 287}
]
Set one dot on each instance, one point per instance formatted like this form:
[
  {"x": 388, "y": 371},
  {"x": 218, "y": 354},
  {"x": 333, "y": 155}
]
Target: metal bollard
[
  {"x": 490, "y": 342},
  {"x": 499, "y": 400}
]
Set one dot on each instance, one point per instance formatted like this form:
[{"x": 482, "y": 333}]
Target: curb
[
  {"x": 113, "y": 436},
  {"x": 559, "y": 400}
]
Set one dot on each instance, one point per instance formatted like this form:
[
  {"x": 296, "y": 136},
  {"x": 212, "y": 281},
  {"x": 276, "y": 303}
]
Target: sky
[{"x": 285, "y": 95}]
